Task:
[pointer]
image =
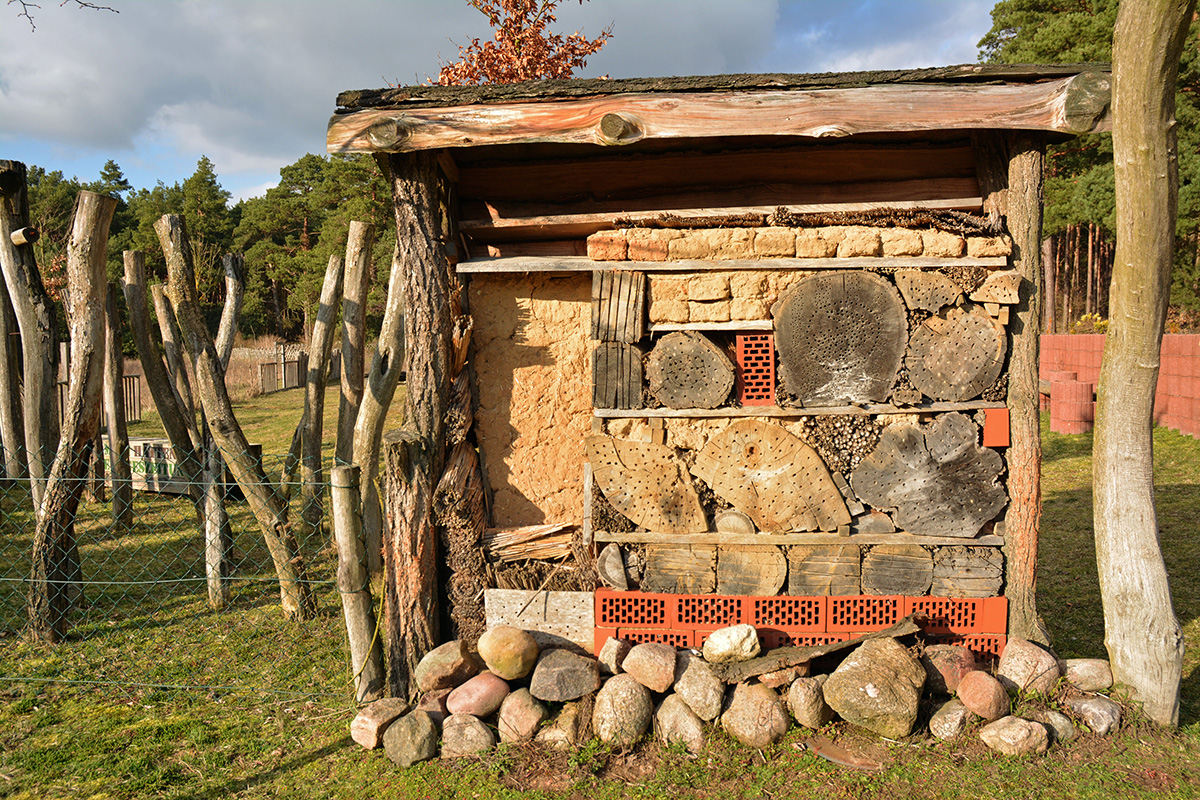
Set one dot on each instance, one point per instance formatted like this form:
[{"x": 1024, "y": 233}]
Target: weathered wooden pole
[
  {"x": 172, "y": 341},
  {"x": 12, "y": 418},
  {"x": 354, "y": 585},
  {"x": 53, "y": 543},
  {"x": 114, "y": 405},
  {"x": 359, "y": 244},
  {"x": 320, "y": 350}
]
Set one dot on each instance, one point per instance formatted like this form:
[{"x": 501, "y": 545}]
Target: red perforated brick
[
  {"x": 960, "y": 614},
  {"x": 864, "y": 612},
  {"x": 634, "y": 609},
  {"x": 797, "y": 613},
  {"x": 674, "y": 638},
  {"x": 773, "y": 637},
  {"x": 755, "y": 355},
  {"x": 984, "y": 646},
  {"x": 709, "y": 611},
  {"x": 602, "y": 636}
]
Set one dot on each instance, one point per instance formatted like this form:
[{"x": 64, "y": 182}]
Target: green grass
[{"x": 61, "y": 739}]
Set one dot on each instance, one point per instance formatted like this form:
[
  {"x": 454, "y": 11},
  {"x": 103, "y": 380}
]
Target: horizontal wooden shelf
[
  {"x": 585, "y": 264},
  {"x": 717, "y": 537},
  {"x": 776, "y": 411},
  {"x": 732, "y": 325}
]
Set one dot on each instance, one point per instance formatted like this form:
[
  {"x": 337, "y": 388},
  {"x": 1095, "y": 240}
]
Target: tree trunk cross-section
[
  {"x": 904, "y": 569},
  {"x": 821, "y": 570},
  {"x": 644, "y": 482},
  {"x": 750, "y": 570},
  {"x": 840, "y": 338},
  {"x": 927, "y": 291},
  {"x": 686, "y": 370},
  {"x": 967, "y": 572},
  {"x": 957, "y": 354},
  {"x": 772, "y": 475},
  {"x": 938, "y": 478},
  {"x": 680, "y": 570}
]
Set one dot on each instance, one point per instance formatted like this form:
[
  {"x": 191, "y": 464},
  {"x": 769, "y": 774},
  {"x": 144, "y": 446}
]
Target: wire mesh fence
[{"x": 139, "y": 611}]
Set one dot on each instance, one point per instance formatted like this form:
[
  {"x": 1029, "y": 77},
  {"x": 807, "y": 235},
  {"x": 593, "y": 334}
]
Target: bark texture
[
  {"x": 12, "y": 417},
  {"x": 114, "y": 405},
  {"x": 1143, "y": 637},
  {"x": 321, "y": 347},
  {"x": 359, "y": 244},
  {"x": 353, "y": 581}
]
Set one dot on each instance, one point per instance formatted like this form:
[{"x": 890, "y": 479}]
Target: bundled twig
[
  {"x": 459, "y": 414},
  {"x": 943, "y": 220},
  {"x": 541, "y": 542}
]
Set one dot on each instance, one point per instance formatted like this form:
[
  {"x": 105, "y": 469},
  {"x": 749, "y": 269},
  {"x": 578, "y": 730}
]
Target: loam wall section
[{"x": 533, "y": 366}]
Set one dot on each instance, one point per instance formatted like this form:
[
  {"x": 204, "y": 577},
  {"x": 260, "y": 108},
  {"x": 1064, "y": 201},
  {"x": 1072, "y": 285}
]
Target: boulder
[
  {"x": 1088, "y": 674},
  {"x": 698, "y": 685},
  {"x": 878, "y": 687},
  {"x": 754, "y": 715},
  {"x": 1026, "y": 667},
  {"x": 445, "y": 667},
  {"x": 561, "y": 675},
  {"x": 652, "y": 664},
  {"x": 950, "y": 719},
  {"x": 1062, "y": 730},
  {"x": 521, "y": 715},
  {"x": 510, "y": 653},
  {"x": 622, "y": 711},
  {"x": 565, "y": 732},
  {"x": 806, "y": 701},
  {"x": 983, "y": 695},
  {"x": 411, "y": 738},
  {"x": 1014, "y": 736},
  {"x": 735, "y": 643},
  {"x": 434, "y": 703},
  {"x": 370, "y": 723},
  {"x": 612, "y": 654},
  {"x": 674, "y": 721},
  {"x": 945, "y": 665},
  {"x": 1098, "y": 713},
  {"x": 479, "y": 696},
  {"x": 465, "y": 735}
]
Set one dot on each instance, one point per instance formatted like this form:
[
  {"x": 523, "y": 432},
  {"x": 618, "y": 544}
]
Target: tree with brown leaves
[{"x": 523, "y": 49}]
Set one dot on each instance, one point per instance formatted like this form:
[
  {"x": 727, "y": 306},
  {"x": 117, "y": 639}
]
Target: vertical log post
[
  {"x": 354, "y": 318},
  {"x": 53, "y": 543},
  {"x": 353, "y": 582},
  {"x": 320, "y": 350},
  {"x": 12, "y": 418},
  {"x": 114, "y": 404}
]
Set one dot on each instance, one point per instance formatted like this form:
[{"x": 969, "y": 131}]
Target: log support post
[
  {"x": 353, "y": 582},
  {"x": 114, "y": 404}
]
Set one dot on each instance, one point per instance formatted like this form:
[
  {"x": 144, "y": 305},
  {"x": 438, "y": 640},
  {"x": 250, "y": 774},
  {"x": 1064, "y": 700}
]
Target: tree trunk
[
  {"x": 172, "y": 341},
  {"x": 1143, "y": 637},
  {"x": 12, "y": 419},
  {"x": 320, "y": 349},
  {"x": 118, "y": 434},
  {"x": 53, "y": 541},
  {"x": 36, "y": 319},
  {"x": 265, "y": 502},
  {"x": 359, "y": 244},
  {"x": 353, "y": 580}
]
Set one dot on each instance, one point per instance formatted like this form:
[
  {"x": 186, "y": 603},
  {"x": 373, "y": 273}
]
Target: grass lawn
[{"x": 72, "y": 740}]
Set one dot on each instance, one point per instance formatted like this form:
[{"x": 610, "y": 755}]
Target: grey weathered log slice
[
  {"x": 644, "y": 482},
  {"x": 957, "y": 354},
  {"x": 824, "y": 570},
  {"x": 680, "y": 570},
  {"x": 926, "y": 290},
  {"x": 937, "y": 478},
  {"x": 750, "y": 570},
  {"x": 840, "y": 338},
  {"x": 967, "y": 572},
  {"x": 773, "y": 476},
  {"x": 686, "y": 370},
  {"x": 616, "y": 375},
  {"x": 905, "y": 569}
]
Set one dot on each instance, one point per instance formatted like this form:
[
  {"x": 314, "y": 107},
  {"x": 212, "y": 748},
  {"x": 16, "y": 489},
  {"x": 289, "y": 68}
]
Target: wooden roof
[{"x": 1070, "y": 99}]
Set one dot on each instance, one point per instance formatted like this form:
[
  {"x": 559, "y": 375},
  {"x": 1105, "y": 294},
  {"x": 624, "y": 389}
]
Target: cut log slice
[
  {"x": 686, "y": 370},
  {"x": 750, "y": 570},
  {"x": 644, "y": 482},
  {"x": 734, "y": 521},
  {"x": 611, "y": 566},
  {"x": 927, "y": 291},
  {"x": 904, "y": 569},
  {"x": 967, "y": 572},
  {"x": 840, "y": 338},
  {"x": 772, "y": 475},
  {"x": 823, "y": 570},
  {"x": 680, "y": 570},
  {"x": 938, "y": 479},
  {"x": 957, "y": 354}
]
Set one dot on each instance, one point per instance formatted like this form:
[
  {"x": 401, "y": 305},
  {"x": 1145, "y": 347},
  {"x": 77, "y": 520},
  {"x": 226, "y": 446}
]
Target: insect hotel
[{"x": 690, "y": 352}]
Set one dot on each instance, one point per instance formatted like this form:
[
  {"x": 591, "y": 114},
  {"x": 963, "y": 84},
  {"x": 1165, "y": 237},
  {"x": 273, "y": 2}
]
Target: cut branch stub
[
  {"x": 957, "y": 354},
  {"x": 840, "y": 338},
  {"x": 644, "y": 482},
  {"x": 938, "y": 479},
  {"x": 686, "y": 370},
  {"x": 773, "y": 476}
]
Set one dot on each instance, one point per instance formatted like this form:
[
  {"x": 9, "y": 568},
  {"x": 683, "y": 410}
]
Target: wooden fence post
[
  {"x": 354, "y": 588},
  {"x": 114, "y": 403}
]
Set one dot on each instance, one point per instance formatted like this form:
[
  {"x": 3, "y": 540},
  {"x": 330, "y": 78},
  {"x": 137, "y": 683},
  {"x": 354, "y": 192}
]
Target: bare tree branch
[{"x": 26, "y": 7}]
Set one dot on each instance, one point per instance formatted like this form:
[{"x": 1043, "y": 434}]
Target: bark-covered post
[
  {"x": 320, "y": 350},
  {"x": 12, "y": 418},
  {"x": 1141, "y": 632},
  {"x": 354, "y": 587},
  {"x": 359, "y": 244},
  {"x": 114, "y": 404},
  {"x": 53, "y": 541},
  {"x": 36, "y": 319}
]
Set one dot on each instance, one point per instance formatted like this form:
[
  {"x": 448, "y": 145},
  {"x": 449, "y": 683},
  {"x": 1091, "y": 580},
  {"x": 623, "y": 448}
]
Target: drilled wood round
[
  {"x": 643, "y": 481},
  {"x": 773, "y": 476},
  {"x": 750, "y": 570},
  {"x": 957, "y": 354},
  {"x": 927, "y": 290},
  {"x": 905, "y": 569},
  {"x": 840, "y": 338},
  {"x": 938, "y": 479},
  {"x": 686, "y": 370}
]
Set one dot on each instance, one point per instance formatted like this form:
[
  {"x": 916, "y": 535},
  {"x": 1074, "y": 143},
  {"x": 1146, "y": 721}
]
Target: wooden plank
[
  {"x": 718, "y": 537},
  {"x": 618, "y": 306},
  {"x": 774, "y": 411},
  {"x": 554, "y": 249},
  {"x": 584, "y": 264},
  {"x": 732, "y": 325},
  {"x": 616, "y": 375},
  {"x": 556, "y": 619},
  {"x": 816, "y": 113}
]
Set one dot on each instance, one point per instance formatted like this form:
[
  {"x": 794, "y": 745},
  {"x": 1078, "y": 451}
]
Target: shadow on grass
[{"x": 229, "y": 788}]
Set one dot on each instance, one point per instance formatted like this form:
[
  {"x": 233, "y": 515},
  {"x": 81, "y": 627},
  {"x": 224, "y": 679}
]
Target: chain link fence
[{"x": 139, "y": 614}]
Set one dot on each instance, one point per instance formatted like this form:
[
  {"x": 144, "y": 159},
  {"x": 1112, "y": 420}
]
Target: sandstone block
[
  {"x": 668, "y": 287},
  {"x": 940, "y": 244},
  {"x": 752, "y": 283},
  {"x": 740, "y": 308},
  {"x": 708, "y": 286},
  {"x": 817, "y": 242},
  {"x": 858, "y": 241},
  {"x": 716, "y": 311},
  {"x": 774, "y": 242},
  {"x": 652, "y": 664},
  {"x": 509, "y": 653},
  {"x": 988, "y": 246},
  {"x": 648, "y": 244},
  {"x": 900, "y": 242},
  {"x": 607, "y": 246},
  {"x": 736, "y": 243},
  {"x": 668, "y": 311},
  {"x": 369, "y": 725},
  {"x": 701, "y": 244},
  {"x": 622, "y": 711}
]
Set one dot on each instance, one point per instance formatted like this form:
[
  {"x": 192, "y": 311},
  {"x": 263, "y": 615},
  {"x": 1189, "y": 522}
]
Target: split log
[
  {"x": 114, "y": 404},
  {"x": 686, "y": 370},
  {"x": 618, "y": 306},
  {"x": 999, "y": 287},
  {"x": 967, "y": 572},
  {"x": 359, "y": 244},
  {"x": 55, "y": 554},
  {"x": 353, "y": 582},
  {"x": 460, "y": 414},
  {"x": 873, "y": 522},
  {"x": 821, "y": 570},
  {"x": 610, "y": 565},
  {"x": 939, "y": 480},
  {"x": 616, "y": 375},
  {"x": 957, "y": 354},
  {"x": 840, "y": 338},
  {"x": 750, "y": 570},
  {"x": 927, "y": 291},
  {"x": 680, "y": 570},
  {"x": 644, "y": 482},
  {"x": 904, "y": 569},
  {"x": 773, "y": 476}
]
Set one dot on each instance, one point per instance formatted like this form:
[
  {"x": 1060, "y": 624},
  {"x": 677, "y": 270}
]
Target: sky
[{"x": 251, "y": 84}]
